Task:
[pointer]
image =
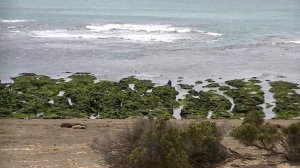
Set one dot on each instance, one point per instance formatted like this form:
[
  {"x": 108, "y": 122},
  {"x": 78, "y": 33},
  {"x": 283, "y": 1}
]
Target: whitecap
[
  {"x": 150, "y": 37},
  {"x": 126, "y": 32},
  {"x": 138, "y": 27},
  {"x": 65, "y": 34},
  {"x": 15, "y": 21},
  {"x": 213, "y": 34},
  {"x": 295, "y": 42}
]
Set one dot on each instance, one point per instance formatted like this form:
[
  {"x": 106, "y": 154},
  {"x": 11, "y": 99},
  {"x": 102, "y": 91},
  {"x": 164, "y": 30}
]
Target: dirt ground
[{"x": 44, "y": 144}]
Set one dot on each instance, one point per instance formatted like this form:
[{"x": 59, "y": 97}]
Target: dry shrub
[{"x": 160, "y": 144}]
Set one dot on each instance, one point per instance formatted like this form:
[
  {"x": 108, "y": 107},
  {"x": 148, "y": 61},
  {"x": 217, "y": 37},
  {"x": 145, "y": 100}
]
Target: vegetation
[
  {"x": 38, "y": 96},
  {"x": 197, "y": 104},
  {"x": 268, "y": 136},
  {"x": 292, "y": 142},
  {"x": 159, "y": 144},
  {"x": 224, "y": 88},
  {"x": 253, "y": 131},
  {"x": 211, "y": 85},
  {"x": 186, "y": 86},
  {"x": 247, "y": 96},
  {"x": 33, "y": 95},
  {"x": 287, "y": 100}
]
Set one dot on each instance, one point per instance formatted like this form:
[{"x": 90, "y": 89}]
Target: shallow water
[
  {"x": 159, "y": 40},
  {"x": 269, "y": 98}
]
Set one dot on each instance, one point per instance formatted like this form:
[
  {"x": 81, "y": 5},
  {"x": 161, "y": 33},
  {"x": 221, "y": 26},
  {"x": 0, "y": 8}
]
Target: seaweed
[
  {"x": 287, "y": 100},
  {"x": 186, "y": 86},
  {"x": 207, "y": 101},
  {"x": 211, "y": 85},
  {"x": 246, "y": 95}
]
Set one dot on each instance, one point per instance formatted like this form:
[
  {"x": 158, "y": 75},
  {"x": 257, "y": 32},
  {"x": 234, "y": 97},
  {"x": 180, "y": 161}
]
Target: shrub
[
  {"x": 160, "y": 144},
  {"x": 292, "y": 137},
  {"x": 202, "y": 144},
  {"x": 246, "y": 133},
  {"x": 254, "y": 118},
  {"x": 269, "y": 136},
  {"x": 254, "y": 132}
]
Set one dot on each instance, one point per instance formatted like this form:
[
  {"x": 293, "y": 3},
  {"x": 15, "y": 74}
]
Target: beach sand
[{"x": 43, "y": 143}]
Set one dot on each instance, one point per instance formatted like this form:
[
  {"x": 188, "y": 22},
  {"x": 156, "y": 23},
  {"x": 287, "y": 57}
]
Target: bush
[
  {"x": 292, "y": 137},
  {"x": 246, "y": 133},
  {"x": 269, "y": 136},
  {"x": 254, "y": 118},
  {"x": 202, "y": 144},
  {"x": 160, "y": 144},
  {"x": 254, "y": 132}
]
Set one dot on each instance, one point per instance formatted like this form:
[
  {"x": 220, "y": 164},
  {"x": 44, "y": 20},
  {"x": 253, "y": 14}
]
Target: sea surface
[{"x": 156, "y": 39}]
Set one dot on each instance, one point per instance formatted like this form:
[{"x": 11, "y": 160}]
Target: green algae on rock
[
  {"x": 37, "y": 95},
  {"x": 287, "y": 100},
  {"x": 247, "y": 96},
  {"x": 186, "y": 86},
  {"x": 198, "y": 105},
  {"x": 81, "y": 96},
  {"x": 224, "y": 88},
  {"x": 211, "y": 85}
]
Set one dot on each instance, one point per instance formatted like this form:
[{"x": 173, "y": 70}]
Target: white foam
[
  {"x": 65, "y": 34},
  {"x": 287, "y": 42},
  {"x": 139, "y": 27},
  {"x": 143, "y": 37},
  {"x": 15, "y": 21},
  {"x": 296, "y": 42},
  {"x": 131, "y": 32},
  {"x": 213, "y": 34},
  {"x": 150, "y": 37}
]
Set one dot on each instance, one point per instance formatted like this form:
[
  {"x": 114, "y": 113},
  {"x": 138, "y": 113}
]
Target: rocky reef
[{"x": 82, "y": 95}]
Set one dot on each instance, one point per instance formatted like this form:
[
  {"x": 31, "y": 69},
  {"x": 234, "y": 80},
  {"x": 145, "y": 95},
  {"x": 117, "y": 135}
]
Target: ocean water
[{"x": 151, "y": 38}]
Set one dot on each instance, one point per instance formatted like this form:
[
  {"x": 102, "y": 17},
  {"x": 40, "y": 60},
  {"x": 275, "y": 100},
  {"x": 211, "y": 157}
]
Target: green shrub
[
  {"x": 292, "y": 136},
  {"x": 161, "y": 144},
  {"x": 246, "y": 133},
  {"x": 254, "y": 118},
  {"x": 269, "y": 136},
  {"x": 254, "y": 132}
]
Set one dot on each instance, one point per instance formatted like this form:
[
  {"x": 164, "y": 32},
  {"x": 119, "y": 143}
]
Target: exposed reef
[
  {"x": 82, "y": 95},
  {"x": 287, "y": 100},
  {"x": 247, "y": 96},
  {"x": 198, "y": 104}
]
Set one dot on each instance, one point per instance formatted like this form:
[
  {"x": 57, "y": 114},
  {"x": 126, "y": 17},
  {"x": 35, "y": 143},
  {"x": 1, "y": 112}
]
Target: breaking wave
[
  {"x": 138, "y": 27},
  {"x": 15, "y": 21},
  {"x": 131, "y": 32}
]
